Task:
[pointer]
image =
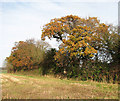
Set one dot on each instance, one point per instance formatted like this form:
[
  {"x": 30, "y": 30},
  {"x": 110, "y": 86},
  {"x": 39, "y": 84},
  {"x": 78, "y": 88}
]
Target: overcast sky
[{"x": 24, "y": 20}]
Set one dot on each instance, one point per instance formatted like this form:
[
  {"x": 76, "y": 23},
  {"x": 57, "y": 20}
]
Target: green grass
[{"x": 34, "y": 86}]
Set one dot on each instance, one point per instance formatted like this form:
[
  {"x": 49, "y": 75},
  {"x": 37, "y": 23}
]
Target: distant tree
[{"x": 26, "y": 55}]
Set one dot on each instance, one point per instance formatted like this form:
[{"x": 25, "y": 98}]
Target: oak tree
[{"x": 80, "y": 37}]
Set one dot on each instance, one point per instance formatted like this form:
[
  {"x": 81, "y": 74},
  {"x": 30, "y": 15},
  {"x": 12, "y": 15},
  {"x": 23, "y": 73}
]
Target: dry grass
[{"x": 23, "y": 86}]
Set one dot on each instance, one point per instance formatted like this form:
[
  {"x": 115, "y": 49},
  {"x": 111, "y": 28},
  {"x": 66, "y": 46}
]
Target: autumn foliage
[
  {"x": 88, "y": 49},
  {"x": 84, "y": 41},
  {"x": 79, "y": 37},
  {"x": 26, "y": 55}
]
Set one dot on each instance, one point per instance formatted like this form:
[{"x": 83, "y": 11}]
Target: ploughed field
[{"x": 21, "y": 86}]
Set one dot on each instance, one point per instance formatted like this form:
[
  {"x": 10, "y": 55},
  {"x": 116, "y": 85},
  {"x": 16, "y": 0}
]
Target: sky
[{"x": 24, "y": 19}]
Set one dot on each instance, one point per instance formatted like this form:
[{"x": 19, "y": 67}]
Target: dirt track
[{"x": 5, "y": 78}]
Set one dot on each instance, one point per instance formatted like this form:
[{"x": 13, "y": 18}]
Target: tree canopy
[
  {"x": 27, "y": 54},
  {"x": 82, "y": 39}
]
